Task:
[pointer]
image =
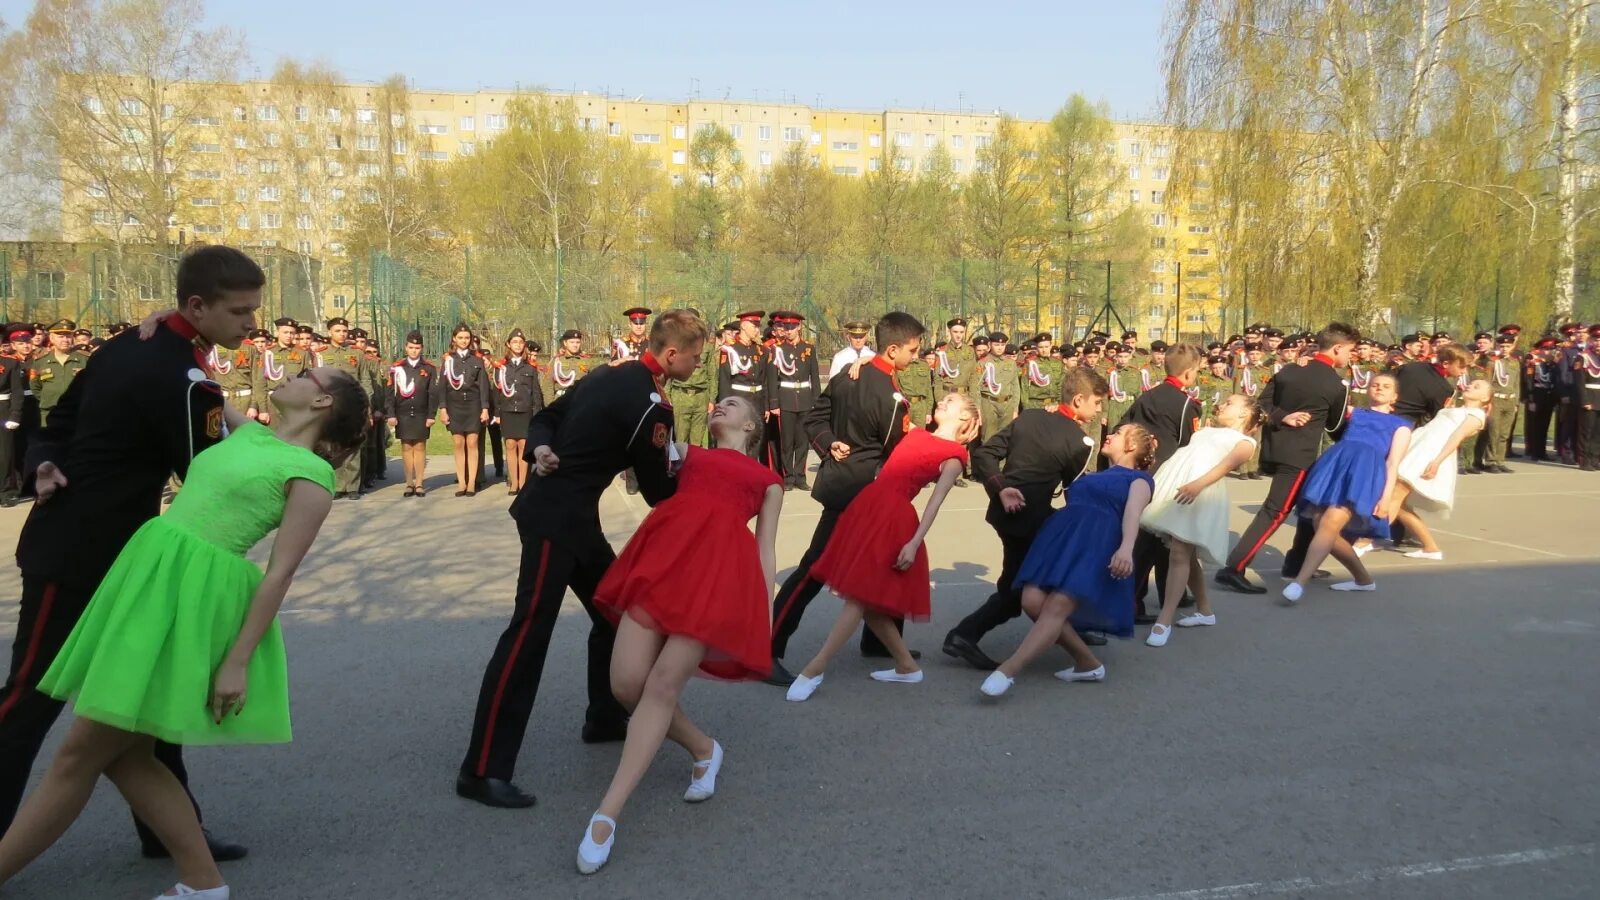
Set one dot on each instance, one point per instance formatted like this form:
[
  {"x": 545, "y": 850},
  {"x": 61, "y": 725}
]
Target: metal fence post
[
  {"x": 806, "y": 296},
  {"x": 644, "y": 278},
  {"x": 887, "y": 303},
  {"x": 1038, "y": 266},
  {"x": 963, "y": 308},
  {"x": 1177, "y": 305},
  {"x": 555, "y": 327}
]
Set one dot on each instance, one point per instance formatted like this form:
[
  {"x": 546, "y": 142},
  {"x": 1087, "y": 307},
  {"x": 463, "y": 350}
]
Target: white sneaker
[
  {"x": 1158, "y": 635},
  {"x": 591, "y": 856},
  {"x": 702, "y": 787},
  {"x": 1353, "y": 586},
  {"x": 183, "y": 890},
  {"x": 1195, "y": 620},
  {"x": 996, "y": 684},
  {"x": 803, "y": 688},
  {"x": 1435, "y": 555},
  {"x": 1292, "y": 592},
  {"x": 1095, "y": 674},
  {"x": 891, "y": 675}
]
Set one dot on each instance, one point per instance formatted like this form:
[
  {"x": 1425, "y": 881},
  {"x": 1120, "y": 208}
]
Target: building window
[
  {"x": 1158, "y": 220},
  {"x": 339, "y": 300},
  {"x": 585, "y": 123},
  {"x": 433, "y": 155},
  {"x": 958, "y": 165},
  {"x": 104, "y": 217},
  {"x": 240, "y": 142},
  {"x": 206, "y": 174},
  {"x": 678, "y": 132},
  {"x": 267, "y": 166},
  {"x": 1158, "y": 266},
  {"x": 369, "y": 195},
  {"x": 467, "y": 124},
  {"x": 335, "y": 169},
  {"x": 243, "y": 221},
  {"x": 202, "y": 201},
  {"x": 766, "y": 157},
  {"x": 1196, "y": 318},
  {"x": 902, "y": 139},
  {"x": 497, "y": 122},
  {"x": 240, "y": 114},
  {"x": 874, "y": 140},
  {"x": 269, "y": 194},
  {"x": 303, "y": 221},
  {"x": 1160, "y": 151},
  {"x": 874, "y": 164},
  {"x": 397, "y": 120},
  {"x": 1157, "y": 288},
  {"x": 793, "y": 135},
  {"x": 468, "y": 148},
  {"x": 1133, "y": 196},
  {"x": 272, "y": 220},
  {"x": 132, "y": 107},
  {"x": 764, "y": 133},
  {"x": 267, "y": 113},
  {"x": 439, "y": 129},
  {"x": 1133, "y": 173},
  {"x": 273, "y": 139},
  {"x": 736, "y": 130},
  {"x": 368, "y": 170},
  {"x": 640, "y": 137},
  {"x": 93, "y": 104},
  {"x": 335, "y": 142},
  {"x": 1135, "y": 148},
  {"x": 1158, "y": 197},
  {"x": 981, "y": 141},
  {"x": 366, "y": 115},
  {"x": 302, "y": 114},
  {"x": 930, "y": 140},
  {"x": 333, "y": 114},
  {"x": 212, "y": 121},
  {"x": 305, "y": 195},
  {"x": 205, "y": 148},
  {"x": 1199, "y": 229},
  {"x": 679, "y": 157},
  {"x": 845, "y": 146},
  {"x": 337, "y": 222},
  {"x": 367, "y": 142},
  {"x": 304, "y": 247},
  {"x": 846, "y": 170},
  {"x": 1199, "y": 251},
  {"x": 903, "y": 164},
  {"x": 1158, "y": 243},
  {"x": 957, "y": 142},
  {"x": 1159, "y": 173},
  {"x": 398, "y": 147},
  {"x": 676, "y": 180}
]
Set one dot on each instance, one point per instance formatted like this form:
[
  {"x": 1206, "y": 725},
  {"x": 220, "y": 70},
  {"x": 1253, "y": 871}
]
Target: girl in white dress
[
  {"x": 1189, "y": 508},
  {"x": 1427, "y": 477}
]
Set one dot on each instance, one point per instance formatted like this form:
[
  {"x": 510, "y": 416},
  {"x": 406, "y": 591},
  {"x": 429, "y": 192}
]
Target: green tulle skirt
[{"x": 142, "y": 656}]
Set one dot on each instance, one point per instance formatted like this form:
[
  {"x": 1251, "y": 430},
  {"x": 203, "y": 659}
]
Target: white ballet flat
[
  {"x": 183, "y": 890},
  {"x": 1434, "y": 555},
  {"x": 893, "y": 677},
  {"x": 1353, "y": 586},
  {"x": 1158, "y": 636},
  {"x": 996, "y": 684},
  {"x": 1362, "y": 549},
  {"x": 1292, "y": 591},
  {"x": 1095, "y": 674},
  {"x": 1195, "y": 620},
  {"x": 591, "y": 856},
  {"x": 803, "y": 688},
  {"x": 702, "y": 787}
]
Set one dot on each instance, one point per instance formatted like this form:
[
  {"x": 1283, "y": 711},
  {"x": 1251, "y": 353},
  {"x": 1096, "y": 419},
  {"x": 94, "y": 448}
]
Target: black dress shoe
[
  {"x": 802, "y": 486},
  {"x": 1143, "y": 618},
  {"x": 1237, "y": 583},
  {"x": 604, "y": 732},
  {"x": 1093, "y": 638},
  {"x": 959, "y": 647},
  {"x": 1187, "y": 602},
  {"x": 883, "y": 653},
  {"x": 495, "y": 792},
  {"x": 221, "y": 850},
  {"x": 1501, "y": 469},
  {"x": 780, "y": 676}
]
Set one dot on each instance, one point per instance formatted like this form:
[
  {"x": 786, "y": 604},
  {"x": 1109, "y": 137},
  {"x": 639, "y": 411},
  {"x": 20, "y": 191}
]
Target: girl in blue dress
[
  {"x": 1078, "y": 566},
  {"x": 1349, "y": 488}
]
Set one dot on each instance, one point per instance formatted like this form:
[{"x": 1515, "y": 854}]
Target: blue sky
[{"x": 1024, "y": 57}]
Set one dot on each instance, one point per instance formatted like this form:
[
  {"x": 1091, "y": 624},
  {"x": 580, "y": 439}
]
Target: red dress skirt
[
  {"x": 858, "y": 563},
  {"x": 722, "y": 600}
]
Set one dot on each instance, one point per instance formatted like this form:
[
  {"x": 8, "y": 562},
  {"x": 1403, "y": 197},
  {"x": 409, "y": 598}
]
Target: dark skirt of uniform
[
  {"x": 1353, "y": 472},
  {"x": 665, "y": 577},
  {"x": 466, "y": 402},
  {"x": 1072, "y": 553},
  {"x": 514, "y": 425}
]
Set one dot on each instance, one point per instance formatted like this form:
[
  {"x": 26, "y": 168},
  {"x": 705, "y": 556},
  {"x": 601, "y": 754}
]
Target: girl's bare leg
[
  {"x": 893, "y": 641},
  {"x": 1197, "y": 586},
  {"x": 88, "y": 749},
  {"x": 633, "y": 655},
  {"x": 1179, "y": 555},
  {"x": 653, "y": 713},
  {"x": 1416, "y": 527},
  {"x": 515, "y": 465},
  {"x": 1329, "y": 523},
  {"x": 1346, "y": 555},
  {"x": 158, "y": 799},
  {"x": 469, "y": 461},
  {"x": 1083, "y": 659},
  {"x": 458, "y": 443},
  {"x": 844, "y": 628},
  {"x": 1049, "y": 617}
]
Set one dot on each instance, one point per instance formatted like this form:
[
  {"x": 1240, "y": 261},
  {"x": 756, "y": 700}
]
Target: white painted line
[
  {"x": 1473, "y": 537},
  {"x": 1461, "y": 496},
  {"x": 1373, "y": 876}
]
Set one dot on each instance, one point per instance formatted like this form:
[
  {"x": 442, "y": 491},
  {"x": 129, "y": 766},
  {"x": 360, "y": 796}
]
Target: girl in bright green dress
[{"x": 181, "y": 640}]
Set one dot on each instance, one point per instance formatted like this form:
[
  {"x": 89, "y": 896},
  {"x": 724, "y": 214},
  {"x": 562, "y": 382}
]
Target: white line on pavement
[
  {"x": 1473, "y": 537},
  {"x": 1372, "y": 876}
]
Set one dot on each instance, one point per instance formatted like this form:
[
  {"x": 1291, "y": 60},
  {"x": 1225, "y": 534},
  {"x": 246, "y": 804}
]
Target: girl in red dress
[
  {"x": 875, "y": 559},
  {"x": 674, "y": 618}
]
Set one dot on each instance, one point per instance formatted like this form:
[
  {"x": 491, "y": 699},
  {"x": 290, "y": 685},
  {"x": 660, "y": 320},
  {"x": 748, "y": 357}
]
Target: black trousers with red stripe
[
  {"x": 799, "y": 589},
  {"x": 794, "y": 446},
  {"x": 47, "y": 615},
  {"x": 511, "y": 682},
  {"x": 1282, "y": 495}
]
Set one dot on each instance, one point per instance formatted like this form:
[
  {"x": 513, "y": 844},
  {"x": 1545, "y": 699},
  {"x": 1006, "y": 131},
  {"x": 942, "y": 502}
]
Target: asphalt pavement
[{"x": 1435, "y": 738}]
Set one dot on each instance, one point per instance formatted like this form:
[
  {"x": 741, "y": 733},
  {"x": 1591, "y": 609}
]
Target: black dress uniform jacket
[
  {"x": 412, "y": 413},
  {"x": 116, "y": 450},
  {"x": 871, "y": 416},
  {"x": 1316, "y": 388},
  {"x": 1040, "y": 451},
  {"x": 1167, "y": 412},
  {"x": 13, "y": 388},
  {"x": 796, "y": 390},
  {"x": 615, "y": 418},
  {"x": 466, "y": 403},
  {"x": 522, "y": 380},
  {"x": 1423, "y": 392}
]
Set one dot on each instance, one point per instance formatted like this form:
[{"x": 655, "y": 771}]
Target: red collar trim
[
  {"x": 652, "y": 364},
  {"x": 1066, "y": 410},
  {"x": 1443, "y": 373},
  {"x": 1175, "y": 382},
  {"x": 181, "y": 326},
  {"x": 1323, "y": 358},
  {"x": 882, "y": 365}
]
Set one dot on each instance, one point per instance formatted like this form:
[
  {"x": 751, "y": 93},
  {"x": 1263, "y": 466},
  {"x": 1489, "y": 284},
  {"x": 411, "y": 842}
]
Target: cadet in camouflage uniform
[
  {"x": 569, "y": 365},
  {"x": 1122, "y": 379},
  {"x": 279, "y": 363},
  {"x": 1040, "y": 375},
  {"x": 1504, "y": 374},
  {"x": 341, "y": 355},
  {"x": 1248, "y": 380},
  {"x": 998, "y": 385},
  {"x": 958, "y": 363},
  {"x": 1213, "y": 385},
  {"x": 53, "y": 370},
  {"x": 916, "y": 383},
  {"x": 235, "y": 372},
  {"x": 692, "y": 400},
  {"x": 1360, "y": 373}
]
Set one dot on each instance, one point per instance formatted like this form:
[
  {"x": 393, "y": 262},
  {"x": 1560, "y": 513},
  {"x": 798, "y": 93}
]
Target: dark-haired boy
[
  {"x": 136, "y": 414},
  {"x": 855, "y": 424},
  {"x": 1021, "y": 468}
]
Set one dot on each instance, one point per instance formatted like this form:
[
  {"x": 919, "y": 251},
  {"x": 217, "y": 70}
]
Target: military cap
[
  {"x": 19, "y": 331},
  {"x": 1594, "y": 330},
  {"x": 338, "y": 320},
  {"x": 998, "y": 337},
  {"x": 1215, "y": 358},
  {"x": 305, "y": 329},
  {"x": 414, "y": 337},
  {"x": 1115, "y": 347},
  {"x": 956, "y": 321},
  {"x": 1506, "y": 339},
  {"x": 1412, "y": 338},
  {"x": 83, "y": 332},
  {"x": 533, "y": 347},
  {"x": 1099, "y": 334},
  {"x": 753, "y": 315},
  {"x": 730, "y": 326},
  {"x": 1030, "y": 347},
  {"x": 1130, "y": 333},
  {"x": 1272, "y": 332},
  {"x": 638, "y": 313},
  {"x": 1044, "y": 336},
  {"x": 787, "y": 317},
  {"x": 63, "y": 326},
  {"x": 1512, "y": 330},
  {"x": 360, "y": 333},
  {"x": 260, "y": 333},
  {"x": 1483, "y": 336},
  {"x": 319, "y": 338},
  {"x": 980, "y": 339},
  {"x": 1445, "y": 335},
  {"x": 285, "y": 320},
  {"x": 571, "y": 333},
  {"x": 856, "y": 329},
  {"x": 96, "y": 343},
  {"x": 1215, "y": 345},
  {"x": 1570, "y": 329},
  {"x": 1546, "y": 343},
  {"x": 117, "y": 328},
  {"x": 1158, "y": 346},
  {"x": 516, "y": 333}
]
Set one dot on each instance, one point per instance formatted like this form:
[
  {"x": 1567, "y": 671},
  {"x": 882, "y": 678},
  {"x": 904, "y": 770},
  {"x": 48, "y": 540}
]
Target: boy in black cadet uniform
[
  {"x": 1301, "y": 404},
  {"x": 1587, "y": 376},
  {"x": 1021, "y": 468},
  {"x": 139, "y": 412},
  {"x": 13, "y": 393},
  {"x": 614, "y": 419},
  {"x": 793, "y": 382},
  {"x": 1427, "y": 387},
  {"x": 1540, "y": 387},
  {"x": 21, "y": 350},
  {"x": 1172, "y": 416},
  {"x": 854, "y": 426}
]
